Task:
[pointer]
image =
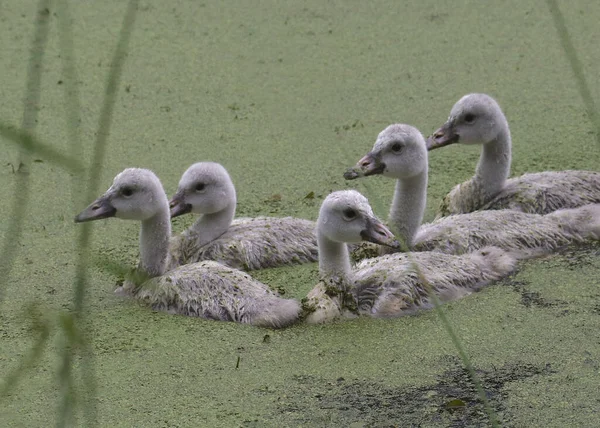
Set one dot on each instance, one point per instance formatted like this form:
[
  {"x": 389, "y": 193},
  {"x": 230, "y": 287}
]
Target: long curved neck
[
  {"x": 493, "y": 167},
  {"x": 408, "y": 206},
  {"x": 210, "y": 226},
  {"x": 154, "y": 243},
  {"x": 334, "y": 259}
]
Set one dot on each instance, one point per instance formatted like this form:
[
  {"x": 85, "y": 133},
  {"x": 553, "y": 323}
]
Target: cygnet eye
[
  {"x": 469, "y": 118},
  {"x": 397, "y": 147},
  {"x": 350, "y": 214},
  {"x": 200, "y": 187},
  {"x": 127, "y": 191}
]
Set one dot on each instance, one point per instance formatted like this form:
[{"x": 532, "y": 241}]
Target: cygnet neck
[
  {"x": 408, "y": 206},
  {"x": 493, "y": 167},
  {"x": 154, "y": 242},
  {"x": 211, "y": 226},
  {"x": 334, "y": 259}
]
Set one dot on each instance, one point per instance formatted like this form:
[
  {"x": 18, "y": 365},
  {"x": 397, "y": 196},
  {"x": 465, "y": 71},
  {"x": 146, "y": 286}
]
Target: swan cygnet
[
  {"x": 400, "y": 152},
  {"x": 478, "y": 119},
  {"x": 206, "y": 289},
  {"x": 391, "y": 285},
  {"x": 245, "y": 243}
]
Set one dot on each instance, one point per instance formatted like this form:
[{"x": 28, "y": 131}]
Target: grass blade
[
  {"x": 41, "y": 326},
  {"x": 377, "y": 202},
  {"x": 34, "y": 76},
  {"x": 11, "y": 246},
  {"x": 71, "y": 92},
  {"x": 104, "y": 125},
  {"x": 110, "y": 97},
  {"x": 576, "y": 66},
  {"x": 72, "y": 109},
  {"x": 462, "y": 354},
  {"x": 81, "y": 275},
  {"x": 32, "y": 145}
]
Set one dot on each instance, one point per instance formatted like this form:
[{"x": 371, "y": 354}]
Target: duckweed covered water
[{"x": 287, "y": 96}]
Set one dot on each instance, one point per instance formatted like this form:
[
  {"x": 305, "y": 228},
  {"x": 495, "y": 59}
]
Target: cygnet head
[
  {"x": 474, "y": 119},
  {"x": 135, "y": 194},
  {"x": 399, "y": 152},
  {"x": 347, "y": 217},
  {"x": 205, "y": 188}
]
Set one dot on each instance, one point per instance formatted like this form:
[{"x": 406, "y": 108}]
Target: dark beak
[
  {"x": 369, "y": 165},
  {"x": 178, "y": 206},
  {"x": 99, "y": 209},
  {"x": 377, "y": 233},
  {"x": 442, "y": 137}
]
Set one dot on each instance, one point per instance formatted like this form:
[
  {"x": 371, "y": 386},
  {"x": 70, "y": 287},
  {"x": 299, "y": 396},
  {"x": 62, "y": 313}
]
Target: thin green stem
[
  {"x": 377, "y": 202},
  {"x": 65, "y": 375},
  {"x": 41, "y": 326},
  {"x": 71, "y": 92},
  {"x": 34, "y": 76},
  {"x": 576, "y": 66},
  {"x": 81, "y": 275},
  {"x": 463, "y": 355},
  {"x": 29, "y": 143},
  {"x": 30, "y": 113},
  {"x": 110, "y": 98},
  {"x": 72, "y": 109},
  {"x": 104, "y": 124}
]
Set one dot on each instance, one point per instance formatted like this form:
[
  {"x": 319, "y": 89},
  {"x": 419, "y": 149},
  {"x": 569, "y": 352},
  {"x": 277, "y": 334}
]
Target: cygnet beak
[
  {"x": 444, "y": 136},
  {"x": 178, "y": 206},
  {"x": 378, "y": 233},
  {"x": 369, "y": 165},
  {"x": 99, "y": 209}
]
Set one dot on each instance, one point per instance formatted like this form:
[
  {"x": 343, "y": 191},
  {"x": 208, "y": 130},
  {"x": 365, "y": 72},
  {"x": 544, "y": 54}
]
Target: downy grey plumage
[
  {"x": 206, "y": 289},
  {"x": 478, "y": 119},
  {"x": 390, "y": 285},
  {"x": 400, "y": 152},
  {"x": 244, "y": 243}
]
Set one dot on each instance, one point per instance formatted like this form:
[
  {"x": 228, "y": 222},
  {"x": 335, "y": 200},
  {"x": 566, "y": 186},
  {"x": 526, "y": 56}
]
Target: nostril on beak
[
  {"x": 96, "y": 207},
  {"x": 381, "y": 231},
  {"x": 365, "y": 162}
]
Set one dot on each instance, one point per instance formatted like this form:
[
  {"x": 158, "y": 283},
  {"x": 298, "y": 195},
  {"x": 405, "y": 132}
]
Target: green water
[{"x": 287, "y": 95}]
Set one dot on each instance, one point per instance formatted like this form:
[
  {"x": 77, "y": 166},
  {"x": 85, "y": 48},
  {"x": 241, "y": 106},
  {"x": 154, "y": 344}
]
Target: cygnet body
[
  {"x": 400, "y": 152},
  {"x": 478, "y": 119},
  {"x": 391, "y": 285},
  {"x": 207, "y": 289},
  {"x": 244, "y": 243}
]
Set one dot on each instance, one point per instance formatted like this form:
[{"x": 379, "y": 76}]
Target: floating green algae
[{"x": 287, "y": 96}]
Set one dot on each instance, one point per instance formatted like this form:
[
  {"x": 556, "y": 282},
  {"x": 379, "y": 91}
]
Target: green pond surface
[{"x": 287, "y": 94}]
